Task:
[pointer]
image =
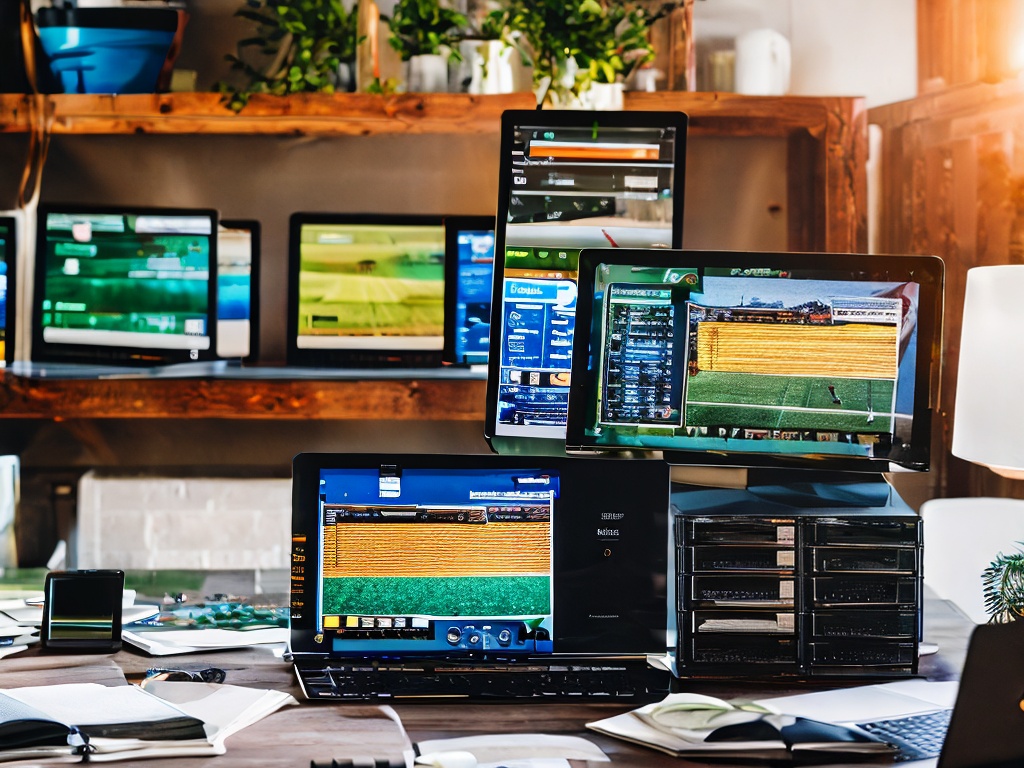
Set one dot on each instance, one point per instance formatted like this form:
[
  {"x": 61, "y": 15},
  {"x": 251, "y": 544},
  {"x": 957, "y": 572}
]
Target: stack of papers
[{"x": 168, "y": 642}]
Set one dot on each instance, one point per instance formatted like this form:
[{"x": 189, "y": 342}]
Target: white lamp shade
[{"x": 988, "y": 421}]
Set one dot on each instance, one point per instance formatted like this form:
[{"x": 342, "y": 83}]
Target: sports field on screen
[
  {"x": 715, "y": 398},
  {"x": 522, "y": 595}
]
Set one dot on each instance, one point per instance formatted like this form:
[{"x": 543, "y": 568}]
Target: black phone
[{"x": 82, "y": 610}]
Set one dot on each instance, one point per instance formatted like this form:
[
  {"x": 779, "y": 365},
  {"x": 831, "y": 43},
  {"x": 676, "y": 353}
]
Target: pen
[{"x": 349, "y": 762}]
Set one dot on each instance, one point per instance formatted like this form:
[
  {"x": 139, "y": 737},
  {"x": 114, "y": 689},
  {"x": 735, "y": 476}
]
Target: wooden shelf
[
  {"x": 300, "y": 115},
  {"x": 298, "y": 399}
]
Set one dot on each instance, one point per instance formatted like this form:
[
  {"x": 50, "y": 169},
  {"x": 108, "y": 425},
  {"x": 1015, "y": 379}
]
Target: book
[
  {"x": 103, "y": 723},
  {"x": 698, "y": 726}
]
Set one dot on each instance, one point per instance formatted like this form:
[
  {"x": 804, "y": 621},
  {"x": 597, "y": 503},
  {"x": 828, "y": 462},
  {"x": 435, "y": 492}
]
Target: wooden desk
[{"x": 295, "y": 735}]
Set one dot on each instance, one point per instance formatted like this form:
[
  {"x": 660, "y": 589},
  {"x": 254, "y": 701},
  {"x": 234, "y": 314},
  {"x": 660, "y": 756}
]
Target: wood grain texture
[
  {"x": 304, "y": 399},
  {"x": 953, "y": 172}
]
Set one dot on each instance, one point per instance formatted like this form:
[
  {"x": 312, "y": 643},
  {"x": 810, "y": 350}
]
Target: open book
[
  {"x": 126, "y": 722},
  {"x": 693, "y": 725}
]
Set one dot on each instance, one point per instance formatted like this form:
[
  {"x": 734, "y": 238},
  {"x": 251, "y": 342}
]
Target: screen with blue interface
[
  {"x": 7, "y": 256},
  {"x": 792, "y": 358},
  {"x": 472, "y": 320},
  {"x": 138, "y": 284},
  {"x": 436, "y": 560},
  {"x": 568, "y": 183},
  {"x": 236, "y": 241}
]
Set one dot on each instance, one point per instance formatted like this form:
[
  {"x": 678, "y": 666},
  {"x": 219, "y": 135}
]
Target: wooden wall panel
[{"x": 953, "y": 172}]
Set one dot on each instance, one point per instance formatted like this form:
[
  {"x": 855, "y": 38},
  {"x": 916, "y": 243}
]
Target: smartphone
[{"x": 82, "y": 610}]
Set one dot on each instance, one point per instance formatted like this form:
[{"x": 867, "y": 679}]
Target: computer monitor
[
  {"x": 468, "y": 277},
  {"x": 8, "y": 287},
  {"x": 568, "y": 180},
  {"x": 365, "y": 290},
  {"x": 455, "y": 556},
  {"x": 125, "y": 285},
  {"x": 238, "y": 298},
  {"x": 783, "y": 360}
]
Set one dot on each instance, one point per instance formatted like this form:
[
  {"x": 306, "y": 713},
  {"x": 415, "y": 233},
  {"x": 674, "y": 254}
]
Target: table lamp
[
  {"x": 962, "y": 536},
  {"x": 988, "y": 417}
]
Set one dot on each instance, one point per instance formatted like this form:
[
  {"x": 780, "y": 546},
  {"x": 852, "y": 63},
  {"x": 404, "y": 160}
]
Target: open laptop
[
  {"x": 479, "y": 577},
  {"x": 985, "y": 724}
]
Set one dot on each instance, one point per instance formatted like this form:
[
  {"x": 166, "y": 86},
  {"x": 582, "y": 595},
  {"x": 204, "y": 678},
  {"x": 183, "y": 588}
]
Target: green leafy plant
[
  {"x": 572, "y": 43},
  {"x": 304, "y": 42},
  {"x": 1003, "y": 585},
  {"x": 423, "y": 27}
]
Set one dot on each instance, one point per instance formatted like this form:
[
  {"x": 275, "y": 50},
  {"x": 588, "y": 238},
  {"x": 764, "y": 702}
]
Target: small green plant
[
  {"x": 303, "y": 41},
  {"x": 1003, "y": 585},
  {"x": 423, "y": 27},
  {"x": 605, "y": 40}
]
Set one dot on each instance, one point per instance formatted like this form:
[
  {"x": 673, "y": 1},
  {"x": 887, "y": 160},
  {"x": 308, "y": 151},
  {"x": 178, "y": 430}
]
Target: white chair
[{"x": 961, "y": 539}]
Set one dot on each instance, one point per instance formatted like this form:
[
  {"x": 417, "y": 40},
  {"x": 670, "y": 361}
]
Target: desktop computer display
[
  {"x": 365, "y": 290},
  {"x": 125, "y": 285},
  {"x": 238, "y": 249},
  {"x": 568, "y": 180},
  {"x": 8, "y": 288},
  {"x": 758, "y": 359},
  {"x": 469, "y": 269}
]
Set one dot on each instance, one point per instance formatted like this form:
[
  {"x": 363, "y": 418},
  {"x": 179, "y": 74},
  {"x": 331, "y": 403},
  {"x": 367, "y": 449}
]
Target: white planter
[
  {"x": 427, "y": 73},
  {"x": 491, "y": 63},
  {"x": 603, "y": 96}
]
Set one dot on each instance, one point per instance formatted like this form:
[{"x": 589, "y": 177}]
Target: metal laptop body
[{"x": 479, "y": 577}]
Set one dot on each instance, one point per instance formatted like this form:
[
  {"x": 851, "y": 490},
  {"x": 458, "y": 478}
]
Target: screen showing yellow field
[{"x": 371, "y": 286}]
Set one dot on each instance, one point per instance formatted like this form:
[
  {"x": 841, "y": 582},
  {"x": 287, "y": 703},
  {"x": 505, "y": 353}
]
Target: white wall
[{"x": 839, "y": 47}]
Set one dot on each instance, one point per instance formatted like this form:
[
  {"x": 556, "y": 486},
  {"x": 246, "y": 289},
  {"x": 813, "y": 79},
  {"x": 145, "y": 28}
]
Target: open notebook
[{"x": 479, "y": 577}]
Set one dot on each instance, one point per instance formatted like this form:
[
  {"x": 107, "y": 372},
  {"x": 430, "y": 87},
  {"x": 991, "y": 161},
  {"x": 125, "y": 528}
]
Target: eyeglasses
[{"x": 208, "y": 675}]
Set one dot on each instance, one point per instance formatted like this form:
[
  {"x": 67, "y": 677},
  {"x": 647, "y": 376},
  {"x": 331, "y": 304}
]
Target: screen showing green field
[
  {"x": 371, "y": 286},
  {"x": 764, "y": 361},
  {"x": 127, "y": 280},
  {"x": 436, "y": 560}
]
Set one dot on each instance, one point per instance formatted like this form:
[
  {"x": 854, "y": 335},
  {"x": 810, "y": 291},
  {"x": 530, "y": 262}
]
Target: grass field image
[
  {"x": 371, "y": 280},
  {"x": 790, "y": 376},
  {"x": 437, "y": 569}
]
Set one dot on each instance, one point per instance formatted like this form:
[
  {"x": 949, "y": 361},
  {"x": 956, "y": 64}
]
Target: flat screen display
[
  {"x": 763, "y": 359},
  {"x": 366, "y": 290},
  {"x": 8, "y": 288},
  {"x": 477, "y": 555},
  {"x": 125, "y": 285},
  {"x": 238, "y": 249},
  {"x": 568, "y": 180},
  {"x": 469, "y": 274}
]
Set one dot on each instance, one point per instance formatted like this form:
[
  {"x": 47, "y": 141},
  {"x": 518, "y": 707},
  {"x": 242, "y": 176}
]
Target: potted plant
[
  {"x": 426, "y": 34},
  {"x": 1003, "y": 585},
  {"x": 572, "y": 44},
  {"x": 303, "y": 46}
]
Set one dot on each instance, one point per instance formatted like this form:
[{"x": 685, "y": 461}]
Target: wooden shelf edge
[
  {"x": 297, "y": 399},
  {"x": 301, "y": 114},
  {"x": 366, "y": 115}
]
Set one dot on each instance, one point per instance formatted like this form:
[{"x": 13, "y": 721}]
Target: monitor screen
[
  {"x": 450, "y": 555},
  {"x": 469, "y": 268},
  {"x": 128, "y": 285},
  {"x": 365, "y": 290},
  {"x": 238, "y": 251},
  {"x": 568, "y": 180},
  {"x": 758, "y": 359},
  {"x": 8, "y": 288}
]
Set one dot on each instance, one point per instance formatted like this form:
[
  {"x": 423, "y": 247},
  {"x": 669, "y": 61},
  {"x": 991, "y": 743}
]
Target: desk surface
[{"x": 295, "y": 735}]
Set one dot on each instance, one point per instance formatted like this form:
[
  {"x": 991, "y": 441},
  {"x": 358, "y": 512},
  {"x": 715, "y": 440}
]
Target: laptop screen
[
  {"x": 125, "y": 285},
  {"x": 473, "y": 556},
  {"x": 365, "y": 290}
]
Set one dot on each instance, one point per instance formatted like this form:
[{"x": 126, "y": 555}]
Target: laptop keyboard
[
  {"x": 493, "y": 683},
  {"x": 918, "y": 737}
]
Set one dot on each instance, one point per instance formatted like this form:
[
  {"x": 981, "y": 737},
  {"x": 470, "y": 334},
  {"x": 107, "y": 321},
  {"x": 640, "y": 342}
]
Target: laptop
[
  {"x": 479, "y": 577},
  {"x": 983, "y": 729}
]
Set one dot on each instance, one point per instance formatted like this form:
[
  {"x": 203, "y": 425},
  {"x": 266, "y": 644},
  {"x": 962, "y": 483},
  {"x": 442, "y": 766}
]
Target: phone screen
[{"x": 82, "y": 610}]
